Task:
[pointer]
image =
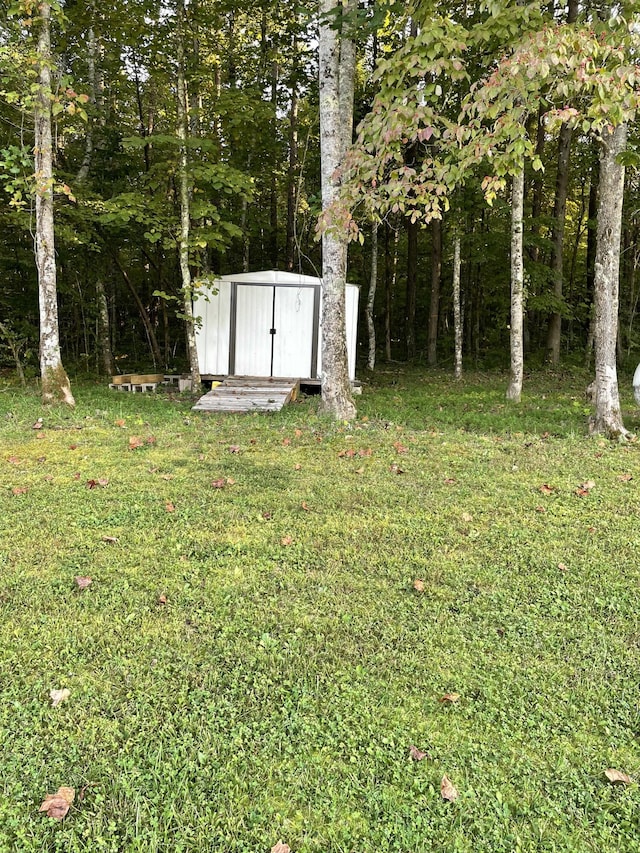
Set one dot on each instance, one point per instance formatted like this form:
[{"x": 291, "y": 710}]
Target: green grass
[{"x": 277, "y": 691}]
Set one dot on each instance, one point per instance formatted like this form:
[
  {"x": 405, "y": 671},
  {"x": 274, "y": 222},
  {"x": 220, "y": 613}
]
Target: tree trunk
[
  {"x": 293, "y": 165},
  {"x": 457, "y": 312},
  {"x": 371, "y": 297},
  {"x": 390, "y": 275},
  {"x": 144, "y": 314},
  {"x": 434, "y": 304},
  {"x": 557, "y": 241},
  {"x": 106, "y": 364},
  {"x": 412, "y": 288},
  {"x": 607, "y": 419},
  {"x": 185, "y": 216},
  {"x": 336, "y": 72},
  {"x": 55, "y": 382},
  {"x": 514, "y": 391}
]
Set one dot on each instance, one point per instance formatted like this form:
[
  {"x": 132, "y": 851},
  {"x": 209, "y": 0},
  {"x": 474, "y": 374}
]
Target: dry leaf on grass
[
  {"x": 400, "y": 448},
  {"x": 169, "y": 506},
  {"x": 450, "y": 481},
  {"x": 162, "y": 599},
  {"x": 135, "y": 441},
  {"x": 57, "y": 805},
  {"x": 83, "y": 582},
  {"x": 416, "y": 754},
  {"x": 617, "y": 776},
  {"x": 450, "y": 698},
  {"x": 19, "y": 490},
  {"x": 112, "y": 540},
  {"x": 280, "y": 847},
  {"x": 220, "y": 483},
  {"x": 546, "y": 489},
  {"x": 625, "y": 478},
  {"x": 59, "y": 696},
  {"x": 418, "y": 585},
  {"x": 286, "y": 540},
  {"x": 447, "y": 790}
]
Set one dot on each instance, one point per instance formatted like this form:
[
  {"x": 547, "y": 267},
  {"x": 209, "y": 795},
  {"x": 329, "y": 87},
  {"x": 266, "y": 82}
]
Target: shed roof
[{"x": 273, "y": 277}]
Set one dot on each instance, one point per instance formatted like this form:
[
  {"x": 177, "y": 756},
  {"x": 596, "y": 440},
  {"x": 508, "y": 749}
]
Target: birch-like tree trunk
[
  {"x": 337, "y": 59},
  {"x": 607, "y": 419},
  {"x": 103, "y": 331},
  {"x": 371, "y": 298},
  {"x": 185, "y": 204},
  {"x": 457, "y": 308},
  {"x": 514, "y": 391},
  {"x": 557, "y": 241},
  {"x": 55, "y": 382}
]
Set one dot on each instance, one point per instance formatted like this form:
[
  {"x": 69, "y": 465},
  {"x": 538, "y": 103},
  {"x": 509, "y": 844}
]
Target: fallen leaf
[
  {"x": 40, "y": 435},
  {"x": 349, "y": 453},
  {"x": 19, "y": 490},
  {"x": 467, "y": 517},
  {"x": 359, "y": 470},
  {"x": 230, "y": 481},
  {"x": 545, "y": 435},
  {"x": 286, "y": 442},
  {"x": 135, "y": 442},
  {"x": 170, "y": 507},
  {"x": 83, "y": 582},
  {"x": 625, "y": 477},
  {"x": 396, "y": 469},
  {"x": 267, "y": 515},
  {"x": 418, "y": 585},
  {"x": 151, "y": 439},
  {"x": 76, "y": 476},
  {"x": 234, "y": 448},
  {"x": 13, "y": 460},
  {"x": 100, "y": 482},
  {"x": 400, "y": 448},
  {"x": 280, "y": 847},
  {"x": 57, "y": 805},
  {"x": 450, "y": 698},
  {"x": 298, "y": 433},
  {"x": 305, "y": 506},
  {"x": 111, "y": 539},
  {"x": 416, "y": 754},
  {"x": 37, "y": 424},
  {"x": 162, "y": 599},
  {"x": 450, "y": 481},
  {"x": 540, "y": 509},
  {"x": 220, "y": 483},
  {"x": 562, "y": 567},
  {"x": 617, "y": 776},
  {"x": 73, "y": 447},
  {"x": 297, "y": 467},
  {"x": 120, "y": 422},
  {"x": 591, "y": 529},
  {"x": 41, "y": 459},
  {"x": 585, "y": 488},
  {"x": 59, "y": 696},
  {"x": 546, "y": 489},
  {"x": 582, "y": 493},
  {"x": 167, "y": 476},
  {"x": 286, "y": 540},
  {"x": 447, "y": 790}
]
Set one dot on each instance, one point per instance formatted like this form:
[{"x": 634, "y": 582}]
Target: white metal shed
[{"x": 267, "y": 324}]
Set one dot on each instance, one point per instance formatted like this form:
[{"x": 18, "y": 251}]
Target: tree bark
[
  {"x": 434, "y": 304},
  {"x": 607, "y": 419},
  {"x": 106, "y": 363},
  {"x": 457, "y": 312},
  {"x": 412, "y": 288},
  {"x": 514, "y": 391},
  {"x": 185, "y": 216},
  {"x": 292, "y": 176},
  {"x": 557, "y": 241},
  {"x": 55, "y": 382},
  {"x": 371, "y": 297},
  {"x": 336, "y": 72}
]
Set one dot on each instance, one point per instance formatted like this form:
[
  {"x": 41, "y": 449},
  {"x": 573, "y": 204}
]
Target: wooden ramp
[{"x": 249, "y": 394}]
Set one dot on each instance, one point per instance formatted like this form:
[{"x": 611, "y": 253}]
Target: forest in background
[{"x": 254, "y": 176}]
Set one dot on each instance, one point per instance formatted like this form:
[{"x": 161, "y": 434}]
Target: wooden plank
[{"x": 249, "y": 394}]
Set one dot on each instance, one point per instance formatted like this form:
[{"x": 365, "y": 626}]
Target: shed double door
[{"x": 274, "y": 330}]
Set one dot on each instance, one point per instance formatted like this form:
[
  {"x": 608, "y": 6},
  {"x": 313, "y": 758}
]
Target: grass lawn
[{"x": 253, "y": 661}]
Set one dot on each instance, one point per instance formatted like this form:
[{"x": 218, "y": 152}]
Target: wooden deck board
[{"x": 249, "y": 394}]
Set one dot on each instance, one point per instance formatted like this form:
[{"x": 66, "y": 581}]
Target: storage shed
[{"x": 266, "y": 324}]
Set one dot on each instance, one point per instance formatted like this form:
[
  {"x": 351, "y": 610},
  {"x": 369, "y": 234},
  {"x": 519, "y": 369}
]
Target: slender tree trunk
[
  {"x": 273, "y": 189},
  {"x": 55, "y": 382},
  {"x": 557, "y": 241},
  {"x": 391, "y": 273},
  {"x": 457, "y": 312},
  {"x": 607, "y": 419},
  {"x": 106, "y": 364},
  {"x": 337, "y": 71},
  {"x": 514, "y": 391},
  {"x": 434, "y": 304},
  {"x": 371, "y": 297},
  {"x": 185, "y": 215},
  {"x": 293, "y": 165},
  {"x": 144, "y": 314},
  {"x": 412, "y": 288}
]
